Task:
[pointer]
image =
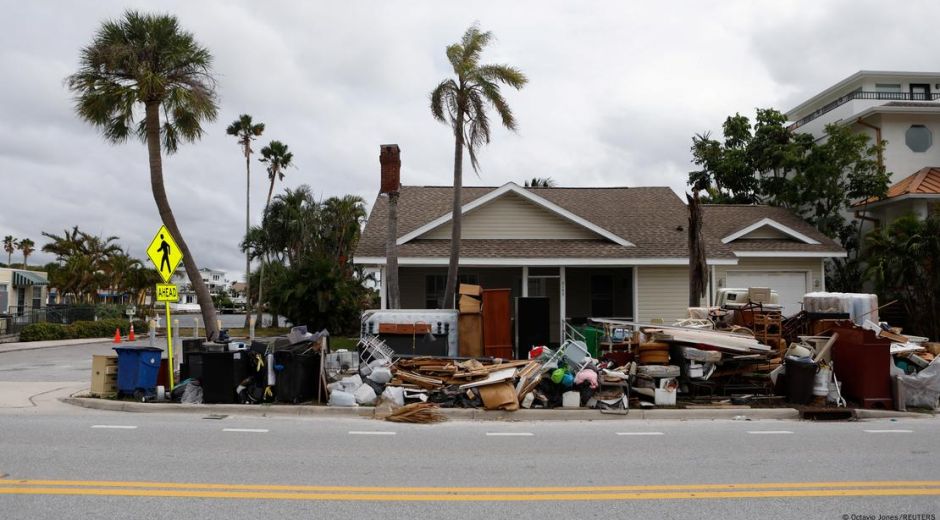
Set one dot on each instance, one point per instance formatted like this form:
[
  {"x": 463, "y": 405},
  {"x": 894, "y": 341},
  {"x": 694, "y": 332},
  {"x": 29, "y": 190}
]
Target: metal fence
[{"x": 17, "y": 318}]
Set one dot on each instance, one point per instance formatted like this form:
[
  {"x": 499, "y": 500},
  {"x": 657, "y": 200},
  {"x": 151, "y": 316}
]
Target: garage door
[{"x": 790, "y": 285}]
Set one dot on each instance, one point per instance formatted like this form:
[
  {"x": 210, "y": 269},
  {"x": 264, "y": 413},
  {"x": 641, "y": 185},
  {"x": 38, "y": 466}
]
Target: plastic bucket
[{"x": 801, "y": 375}]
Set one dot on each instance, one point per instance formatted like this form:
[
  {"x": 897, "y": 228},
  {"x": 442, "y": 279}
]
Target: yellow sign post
[{"x": 166, "y": 257}]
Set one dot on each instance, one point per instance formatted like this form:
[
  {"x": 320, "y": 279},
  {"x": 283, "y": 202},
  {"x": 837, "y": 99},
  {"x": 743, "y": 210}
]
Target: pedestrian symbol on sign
[{"x": 164, "y": 253}]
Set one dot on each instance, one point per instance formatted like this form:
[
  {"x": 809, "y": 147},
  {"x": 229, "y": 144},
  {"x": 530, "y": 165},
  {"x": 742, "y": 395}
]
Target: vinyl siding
[
  {"x": 662, "y": 292},
  {"x": 511, "y": 216}
]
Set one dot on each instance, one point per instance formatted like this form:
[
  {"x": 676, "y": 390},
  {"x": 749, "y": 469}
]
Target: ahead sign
[{"x": 166, "y": 292}]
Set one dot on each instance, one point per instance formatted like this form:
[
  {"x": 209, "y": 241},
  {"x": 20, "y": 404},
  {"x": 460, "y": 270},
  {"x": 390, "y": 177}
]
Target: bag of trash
[
  {"x": 192, "y": 394},
  {"x": 394, "y": 394},
  {"x": 365, "y": 395},
  {"x": 381, "y": 375},
  {"x": 340, "y": 398},
  {"x": 923, "y": 389},
  {"x": 351, "y": 383}
]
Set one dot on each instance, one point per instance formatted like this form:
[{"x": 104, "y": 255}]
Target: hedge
[{"x": 80, "y": 329}]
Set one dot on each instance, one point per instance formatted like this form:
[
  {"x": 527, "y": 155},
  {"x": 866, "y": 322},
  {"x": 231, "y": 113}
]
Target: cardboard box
[
  {"x": 499, "y": 396},
  {"x": 470, "y": 304},
  {"x": 470, "y": 290}
]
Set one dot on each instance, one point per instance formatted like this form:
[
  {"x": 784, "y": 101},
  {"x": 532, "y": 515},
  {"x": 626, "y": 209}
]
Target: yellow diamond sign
[{"x": 165, "y": 254}]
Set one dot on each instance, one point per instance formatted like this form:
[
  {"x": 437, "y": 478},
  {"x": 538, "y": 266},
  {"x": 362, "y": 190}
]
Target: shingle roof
[
  {"x": 721, "y": 220},
  {"x": 654, "y": 219},
  {"x": 925, "y": 181}
]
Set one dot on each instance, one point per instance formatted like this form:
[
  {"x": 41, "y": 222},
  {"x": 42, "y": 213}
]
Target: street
[{"x": 65, "y": 462}]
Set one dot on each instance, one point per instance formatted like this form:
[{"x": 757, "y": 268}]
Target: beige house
[
  {"x": 593, "y": 252},
  {"x": 22, "y": 291}
]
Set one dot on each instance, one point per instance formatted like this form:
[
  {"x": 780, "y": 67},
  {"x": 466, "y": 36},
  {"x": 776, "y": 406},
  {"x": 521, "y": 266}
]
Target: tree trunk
[
  {"x": 260, "y": 319},
  {"x": 166, "y": 214},
  {"x": 450, "y": 289},
  {"x": 391, "y": 253},
  {"x": 698, "y": 270},
  {"x": 247, "y": 227}
]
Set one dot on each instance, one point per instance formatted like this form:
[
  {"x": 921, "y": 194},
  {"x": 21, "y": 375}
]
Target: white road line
[
  {"x": 114, "y": 426},
  {"x": 888, "y": 431},
  {"x": 639, "y": 433},
  {"x": 770, "y": 432},
  {"x": 245, "y": 430},
  {"x": 509, "y": 434},
  {"x": 370, "y": 432}
]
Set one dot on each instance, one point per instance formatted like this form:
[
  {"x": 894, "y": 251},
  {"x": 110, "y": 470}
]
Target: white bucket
[{"x": 821, "y": 383}]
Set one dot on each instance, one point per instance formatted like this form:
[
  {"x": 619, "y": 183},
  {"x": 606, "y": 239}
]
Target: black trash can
[
  {"x": 219, "y": 373},
  {"x": 801, "y": 374},
  {"x": 297, "y": 375}
]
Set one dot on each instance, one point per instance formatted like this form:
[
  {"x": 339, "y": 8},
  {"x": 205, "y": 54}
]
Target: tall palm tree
[
  {"x": 462, "y": 102},
  {"x": 246, "y": 131},
  {"x": 277, "y": 158},
  {"x": 149, "y": 60},
  {"x": 27, "y": 247},
  {"x": 540, "y": 182},
  {"x": 9, "y": 245}
]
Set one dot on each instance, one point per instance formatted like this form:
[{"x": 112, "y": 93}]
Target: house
[
  {"x": 594, "y": 252},
  {"x": 23, "y": 294},
  {"x": 213, "y": 278},
  {"x": 901, "y": 108}
]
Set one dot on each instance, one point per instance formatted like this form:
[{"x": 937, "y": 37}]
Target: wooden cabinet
[
  {"x": 104, "y": 375},
  {"x": 470, "y": 334},
  {"x": 497, "y": 326}
]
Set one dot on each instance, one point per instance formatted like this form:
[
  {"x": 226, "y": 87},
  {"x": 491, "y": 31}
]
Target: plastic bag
[
  {"x": 340, "y": 398},
  {"x": 394, "y": 394},
  {"x": 365, "y": 395},
  {"x": 381, "y": 375},
  {"x": 923, "y": 389},
  {"x": 192, "y": 394}
]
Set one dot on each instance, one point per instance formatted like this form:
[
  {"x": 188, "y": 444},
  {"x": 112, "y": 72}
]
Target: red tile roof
[{"x": 925, "y": 181}]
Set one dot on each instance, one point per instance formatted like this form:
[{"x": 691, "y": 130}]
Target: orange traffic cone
[
  {"x": 130, "y": 337},
  {"x": 117, "y": 335}
]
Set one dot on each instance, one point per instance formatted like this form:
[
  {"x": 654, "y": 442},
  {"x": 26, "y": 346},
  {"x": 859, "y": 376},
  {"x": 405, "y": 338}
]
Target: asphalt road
[{"x": 62, "y": 462}]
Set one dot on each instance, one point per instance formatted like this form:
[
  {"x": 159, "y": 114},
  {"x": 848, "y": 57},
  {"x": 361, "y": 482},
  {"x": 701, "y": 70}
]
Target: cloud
[{"x": 616, "y": 91}]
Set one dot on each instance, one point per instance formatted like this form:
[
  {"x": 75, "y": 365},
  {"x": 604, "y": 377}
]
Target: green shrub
[{"x": 43, "y": 332}]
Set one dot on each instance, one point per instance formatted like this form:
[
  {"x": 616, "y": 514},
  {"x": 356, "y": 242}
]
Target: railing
[
  {"x": 17, "y": 318},
  {"x": 860, "y": 94}
]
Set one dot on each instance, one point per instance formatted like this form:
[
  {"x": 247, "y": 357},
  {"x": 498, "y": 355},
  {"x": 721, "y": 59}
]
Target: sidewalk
[
  {"x": 469, "y": 414},
  {"x": 33, "y": 345}
]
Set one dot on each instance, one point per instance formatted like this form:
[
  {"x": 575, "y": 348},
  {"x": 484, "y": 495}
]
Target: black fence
[
  {"x": 16, "y": 318},
  {"x": 860, "y": 94}
]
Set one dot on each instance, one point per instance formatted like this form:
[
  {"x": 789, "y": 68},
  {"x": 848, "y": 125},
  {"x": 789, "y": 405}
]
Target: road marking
[
  {"x": 888, "y": 431},
  {"x": 639, "y": 433},
  {"x": 245, "y": 430},
  {"x": 340, "y": 493},
  {"x": 509, "y": 434},
  {"x": 770, "y": 432},
  {"x": 114, "y": 426},
  {"x": 370, "y": 432}
]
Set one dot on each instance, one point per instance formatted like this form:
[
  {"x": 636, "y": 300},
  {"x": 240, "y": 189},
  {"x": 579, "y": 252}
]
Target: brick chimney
[{"x": 390, "y": 159}]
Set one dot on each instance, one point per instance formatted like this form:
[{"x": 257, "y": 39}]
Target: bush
[
  {"x": 43, "y": 332},
  {"x": 80, "y": 329}
]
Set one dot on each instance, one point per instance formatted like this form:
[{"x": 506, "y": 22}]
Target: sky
[{"x": 616, "y": 91}]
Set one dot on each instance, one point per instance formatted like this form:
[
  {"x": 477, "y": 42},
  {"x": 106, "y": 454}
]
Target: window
[
  {"x": 888, "y": 90},
  {"x": 434, "y": 285},
  {"x": 37, "y": 296},
  {"x": 4, "y": 299},
  {"x": 918, "y": 138}
]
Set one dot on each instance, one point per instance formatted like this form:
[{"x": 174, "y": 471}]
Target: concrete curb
[
  {"x": 36, "y": 345},
  {"x": 451, "y": 413}
]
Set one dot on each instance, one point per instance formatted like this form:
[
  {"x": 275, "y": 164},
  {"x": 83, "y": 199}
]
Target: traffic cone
[
  {"x": 117, "y": 335},
  {"x": 130, "y": 337}
]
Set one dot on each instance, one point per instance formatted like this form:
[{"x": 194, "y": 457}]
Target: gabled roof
[
  {"x": 653, "y": 220},
  {"x": 511, "y": 187},
  {"x": 925, "y": 182}
]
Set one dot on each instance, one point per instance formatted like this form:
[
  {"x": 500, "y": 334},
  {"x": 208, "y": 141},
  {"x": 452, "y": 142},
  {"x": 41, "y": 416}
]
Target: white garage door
[{"x": 790, "y": 285}]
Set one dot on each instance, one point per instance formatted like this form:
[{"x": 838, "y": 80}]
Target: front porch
[{"x": 573, "y": 294}]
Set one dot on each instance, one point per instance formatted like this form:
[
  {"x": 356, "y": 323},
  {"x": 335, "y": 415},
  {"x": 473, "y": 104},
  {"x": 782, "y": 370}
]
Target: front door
[{"x": 920, "y": 91}]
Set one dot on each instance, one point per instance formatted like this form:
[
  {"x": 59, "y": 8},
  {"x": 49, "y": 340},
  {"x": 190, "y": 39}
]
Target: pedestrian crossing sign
[
  {"x": 167, "y": 292},
  {"x": 165, "y": 254}
]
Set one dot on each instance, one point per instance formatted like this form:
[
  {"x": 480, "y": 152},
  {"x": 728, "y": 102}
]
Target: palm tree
[
  {"x": 462, "y": 102},
  {"x": 149, "y": 60},
  {"x": 9, "y": 245},
  {"x": 278, "y": 159},
  {"x": 27, "y": 247},
  {"x": 246, "y": 131},
  {"x": 540, "y": 182}
]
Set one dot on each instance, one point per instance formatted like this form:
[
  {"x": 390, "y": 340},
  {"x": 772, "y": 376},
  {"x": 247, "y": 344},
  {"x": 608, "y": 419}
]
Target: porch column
[
  {"x": 561, "y": 299},
  {"x": 383, "y": 289},
  {"x": 525, "y": 281}
]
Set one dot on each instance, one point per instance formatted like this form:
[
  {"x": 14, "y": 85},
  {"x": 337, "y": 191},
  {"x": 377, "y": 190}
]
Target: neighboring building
[
  {"x": 594, "y": 252},
  {"x": 213, "y": 278},
  {"x": 918, "y": 194},
  {"x": 22, "y": 293},
  {"x": 239, "y": 293}
]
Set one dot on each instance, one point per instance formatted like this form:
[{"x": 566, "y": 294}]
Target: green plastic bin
[{"x": 592, "y": 337}]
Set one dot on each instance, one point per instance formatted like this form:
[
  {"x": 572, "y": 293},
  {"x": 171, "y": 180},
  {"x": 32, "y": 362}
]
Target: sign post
[{"x": 166, "y": 257}]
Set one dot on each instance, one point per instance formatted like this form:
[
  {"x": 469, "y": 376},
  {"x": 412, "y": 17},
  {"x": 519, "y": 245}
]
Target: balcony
[{"x": 861, "y": 94}]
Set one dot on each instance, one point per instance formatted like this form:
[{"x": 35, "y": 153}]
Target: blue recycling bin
[{"x": 137, "y": 369}]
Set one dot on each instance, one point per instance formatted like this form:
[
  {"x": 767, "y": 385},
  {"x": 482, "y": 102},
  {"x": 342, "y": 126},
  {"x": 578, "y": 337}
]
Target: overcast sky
[{"x": 616, "y": 91}]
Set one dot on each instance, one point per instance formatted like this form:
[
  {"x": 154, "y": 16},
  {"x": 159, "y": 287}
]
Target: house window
[
  {"x": 602, "y": 295},
  {"x": 37, "y": 297},
  {"x": 4, "y": 299},
  {"x": 434, "y": 285},
  {"x": 888, "y": 90},
  {"x": 918, "y": 138}
]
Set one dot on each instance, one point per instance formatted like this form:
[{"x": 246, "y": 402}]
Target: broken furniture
[
  {"x": 862, "y": 362},
  {"x": 104, "y": 370}
]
